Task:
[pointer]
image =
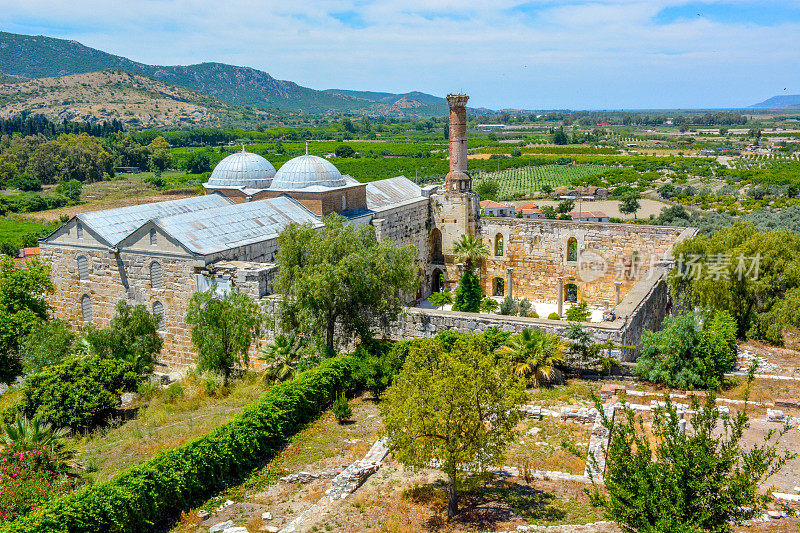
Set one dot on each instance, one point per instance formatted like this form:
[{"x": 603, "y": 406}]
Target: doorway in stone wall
[{"x": 436, "y": 282}]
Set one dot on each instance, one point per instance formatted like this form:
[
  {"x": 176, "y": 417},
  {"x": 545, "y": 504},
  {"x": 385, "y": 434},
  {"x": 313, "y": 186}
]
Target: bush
[
  {"x": 488, "y": 305},
  {"x": 692, "y": 351},
  {"x": 525, "y": 307},
  {"x": 440, "y": 299},
  {"x": 134, "y": 499},
  {"x": 79, "y": 394},
  {"x": 378, "y": 364},
  {"x": 554, "y": 316},
  {"x": 509, "y": 306},
  {"x": 48, "y": 344},
  {"x": 579, "y": 312},
  {"x": 28, "y": 479},
  {"x": 341, "y": 409},
  {"x": 132, "y": 337}
]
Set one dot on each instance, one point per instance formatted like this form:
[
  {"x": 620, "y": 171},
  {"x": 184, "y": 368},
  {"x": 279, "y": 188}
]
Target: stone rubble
[
  {"x": 305, "y": 477},
  {"x": 774, "y": 415},
  {"x": 563, "y": 528},
  {"x": 582, "y": 415},
  {"x": 222, "y": 526}
]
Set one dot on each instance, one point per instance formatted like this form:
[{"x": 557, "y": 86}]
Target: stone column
[
  {"x": 510, "y": 291},
  {"x": 617, "y": 288},
  {"x": 458, "y": 141},
  {"x": 560, "y": 296}
]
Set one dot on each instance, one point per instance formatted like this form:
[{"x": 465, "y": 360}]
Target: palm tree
[
  {"x": 469, "y": 249},
  {"x": 533, "y": 354},
  {"x": 283, "y": 357},
  {"x": 24, "y": 434}
]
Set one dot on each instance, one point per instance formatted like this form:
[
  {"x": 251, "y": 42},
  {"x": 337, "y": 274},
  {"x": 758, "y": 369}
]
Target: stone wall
[
  {"x": 537, "y": 253},
  {"x": 125, "y": 276}
]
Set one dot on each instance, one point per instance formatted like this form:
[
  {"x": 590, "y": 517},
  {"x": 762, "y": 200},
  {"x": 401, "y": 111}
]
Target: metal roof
[
  {"x": 113, "y": 225},
  {"x": 305, "y": 171},
  {"x": 391, "y": 191},
  {"x": 231, "y": 226},
  {"x": 243, "y": 169}
]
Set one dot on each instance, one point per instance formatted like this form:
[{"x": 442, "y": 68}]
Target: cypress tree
[{"x": 468, "y": 294}]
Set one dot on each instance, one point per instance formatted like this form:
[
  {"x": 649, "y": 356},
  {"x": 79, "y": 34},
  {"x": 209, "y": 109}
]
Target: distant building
[
  {"x": 589, "y": 216},
  {"x": 589, "y": 193},
  {"x": 532, "y": 212},
  {"x": 495, "y": 209}
]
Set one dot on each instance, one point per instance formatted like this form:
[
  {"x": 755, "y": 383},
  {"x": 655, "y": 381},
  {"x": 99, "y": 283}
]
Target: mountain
[
  {"x": 46, "y": 57},
  {"x": 108, "y": 94},
  {"x": 785, "y": 101}
]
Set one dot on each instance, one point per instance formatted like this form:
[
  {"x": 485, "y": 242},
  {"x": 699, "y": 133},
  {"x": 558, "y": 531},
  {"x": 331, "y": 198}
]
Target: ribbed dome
[
  {"x": 243, "y": 169},
  {"x": 305, "y": 171}
]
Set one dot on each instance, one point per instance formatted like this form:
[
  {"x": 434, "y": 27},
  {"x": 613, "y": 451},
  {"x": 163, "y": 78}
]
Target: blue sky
[{"x": 539, "y": 54}]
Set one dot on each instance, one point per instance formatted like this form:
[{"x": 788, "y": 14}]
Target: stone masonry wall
[
  {"x": 536, "y": 251},
  {"x": 124, "y": 276}
]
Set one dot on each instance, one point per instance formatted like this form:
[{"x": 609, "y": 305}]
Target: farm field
[
  {"x": 609, "y": 207},
  {"x": 525, "y": 181}
]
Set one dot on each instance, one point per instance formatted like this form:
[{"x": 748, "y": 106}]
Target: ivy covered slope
[{"x": 135, "y": 499}]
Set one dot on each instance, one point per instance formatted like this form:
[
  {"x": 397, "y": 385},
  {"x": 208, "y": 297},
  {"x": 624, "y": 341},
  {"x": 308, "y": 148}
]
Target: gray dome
[
  {"x": 305, "y": 171},
  {"x": 243, "y": 169}
]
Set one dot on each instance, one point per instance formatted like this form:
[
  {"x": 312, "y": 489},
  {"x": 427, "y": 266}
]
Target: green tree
[
  {"x": 488, "y": 189},
  {"x": 160, "y": 156},
  {"x": 470, "y": 250},
  {"x": 468, "y": 294},
  {"x": 582, "y": 352},
  {"x": 282, "y": 357},
  {"x": 629, "y": 203},
  {"x": 341, "y": 275},
  {"x": 579, "y": 312},
  {"x": 694, "y": 479},
  {"x": 48, "y": 343},
  {"x": 533, "y": 354},
  {"x": 197, "y": 162},
  {"x": 132, "y": 336},
  {"x": 22, "y": 307},
  {"x": 71, "y": 189},
  {"x": 440, "y": 299},
  {"x": 223, "y": 329},
  {"x": 565, "y": 207},
  {"x": 753, "y": 272},
  {"x": 344, "y": 150},
  {"x": 488, "y": 305},
  {"x": 560, "y": 137},
  {"x": 454, "y": 406},
  {"x": 692, "y": 351}
]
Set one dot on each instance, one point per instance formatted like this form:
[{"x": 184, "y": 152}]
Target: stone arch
[
  {"x": 435, "y": 241},
  {"x": 498, "y": 245},
  {"x": 571, "y": 293},
  {"x": 436, "y": 280},
  {"x": 83, "y": 268},
  {"x": 156, "y": 275},
  {"x": 499, "y": 287},
  {"x": 572, "y": 249},
  {"x": 86, "y": 308}
]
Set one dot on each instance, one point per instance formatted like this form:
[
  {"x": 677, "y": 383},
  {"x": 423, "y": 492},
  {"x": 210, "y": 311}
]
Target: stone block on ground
[
  {"x": 222, "y": 526},
  {"x": 787, "y": 402},
  {"x": 774, "y": 415}
]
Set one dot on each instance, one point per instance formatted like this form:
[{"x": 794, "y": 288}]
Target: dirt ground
[{"x": 609, "y": 207}]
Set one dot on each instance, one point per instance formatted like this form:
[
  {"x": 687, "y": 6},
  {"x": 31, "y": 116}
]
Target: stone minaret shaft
[{"x": 458, "y": 179}]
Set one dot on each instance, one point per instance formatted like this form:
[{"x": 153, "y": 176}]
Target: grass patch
[
  {"x": 13, "y": 228},
  {"x": 166, "y": 418},
  {"x": 573, "y": 391}
]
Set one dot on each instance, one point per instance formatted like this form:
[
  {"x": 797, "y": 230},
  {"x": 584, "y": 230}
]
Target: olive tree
[{"x": 454, "y": 405}]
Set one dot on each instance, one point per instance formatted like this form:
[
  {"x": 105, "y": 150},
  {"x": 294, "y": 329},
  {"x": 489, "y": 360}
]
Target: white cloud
[{"x": 601, "y": 53}]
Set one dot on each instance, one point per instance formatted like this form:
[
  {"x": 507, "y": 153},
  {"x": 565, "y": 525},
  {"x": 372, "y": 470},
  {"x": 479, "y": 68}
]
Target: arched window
[
  {"x": 499, "y": 287},
  {"x": 79, "y": 230},
  {"x": 344, "y": 203},
  {"x": 153, "y": 238},
  {"x": 498, "y": 245},
  {"x": 158, "y": 312},
  {"x": 156, "y": 277},
  {"x": 83, "y": 268},
  {"x": 436, "y": 281},
  {"x": 572, "y": 249},
  {"x": 572, "y": 293},
  {"x": 436, "y": 246},
  {"x": 86, "y": 308}
]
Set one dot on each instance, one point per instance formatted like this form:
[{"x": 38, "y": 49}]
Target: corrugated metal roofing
[
  {"x": 384, "y": 193},
  {"x": 113, "y": 225},
  {"x": 215, "y": 230}
]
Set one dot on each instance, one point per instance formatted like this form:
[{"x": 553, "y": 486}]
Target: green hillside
[{"x": 41, "y": 57}]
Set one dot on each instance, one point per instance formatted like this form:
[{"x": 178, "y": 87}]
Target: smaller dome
[
  {"x": 305, "y": 171},
  {"x": 242, "y": 169}
]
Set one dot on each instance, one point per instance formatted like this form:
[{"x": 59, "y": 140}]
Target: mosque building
[{"x": 160, "y": 254}]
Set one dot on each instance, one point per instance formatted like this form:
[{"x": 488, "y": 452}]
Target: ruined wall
[
  {"x": 124, "y": 276},
  {"x": 537, "y": 253}
]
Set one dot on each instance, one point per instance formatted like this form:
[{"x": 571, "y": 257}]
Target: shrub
[
  {"x": 525, "y": 307},
  {"x": 79, "y": 394},
  {"x": 488, "y": 305},
  {"x": 579, "y": 312},
  {"x": 28, "y": 480},
  {"x": 440, "y": 299},
  {"x": 132, "y": 337},
  {"x": 49, "y": 343},
  {"x": 692, "y": 351},
  {"x": 134, "y": 499},
  {"x": 341, "y": 409},
  {"x": 509, "y": 306},
  {"x": 554, "y": 316}
]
